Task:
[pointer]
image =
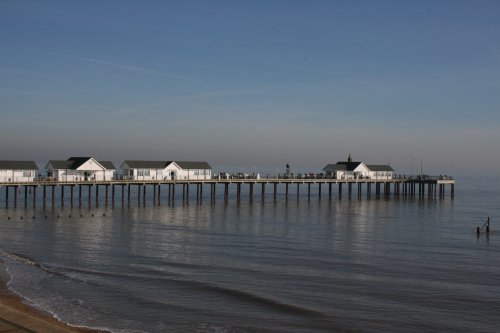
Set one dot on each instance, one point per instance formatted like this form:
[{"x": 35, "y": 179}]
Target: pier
[{"x": 125, "y": 192}]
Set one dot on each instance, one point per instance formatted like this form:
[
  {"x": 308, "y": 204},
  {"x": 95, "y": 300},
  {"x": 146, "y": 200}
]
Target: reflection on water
[{"x": 362, "y": 265}]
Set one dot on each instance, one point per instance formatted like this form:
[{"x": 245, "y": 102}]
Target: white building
[
  {"x": 358, "y": 170},
  {"x": 18, "y": 171},
  {"x": 166, "y": 170},
  {"x": 380, "y": 172},
  {"x": 80, "y": 169}
]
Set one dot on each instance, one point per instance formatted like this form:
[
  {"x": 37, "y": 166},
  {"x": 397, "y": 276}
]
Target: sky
[{"x": 254, "y": 85}]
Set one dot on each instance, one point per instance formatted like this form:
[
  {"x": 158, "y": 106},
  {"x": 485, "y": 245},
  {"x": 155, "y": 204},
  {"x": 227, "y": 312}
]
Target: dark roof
[
  {"x": 74, "y": 163},
  {"x": 349, "y": 166},
  {"x": 147, "y": 164},
  {"x": 374, "y": 167},
  {"x": 78, "y": 161},
  {"x": 18, "y": 165},
  {"x": 57, "y": 164},
  {"x": 193, "y": 165},
  {"x": 334, "y": 167},
  {"x": 108, "y": 165}
]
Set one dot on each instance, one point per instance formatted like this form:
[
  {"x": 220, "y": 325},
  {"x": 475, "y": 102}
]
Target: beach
[{"x": 15, "y": 316}]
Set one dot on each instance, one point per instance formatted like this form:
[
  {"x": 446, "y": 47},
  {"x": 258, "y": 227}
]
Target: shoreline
[{"x": 16, "y": 316}]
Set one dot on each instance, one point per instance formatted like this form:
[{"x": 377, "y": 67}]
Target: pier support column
[
  {"x": 25, "y": 196},
  {"x": 226, "y": 192},
  {"x": 97, "y": 195},
  {"x": 62, "y": 195},
  {"x": 452, "y": 191},
  {"x": 106, "y": 195},
  {"x": 80, "y": 195},
  {"x": 123, "y": 194},
  {"x": 173, "y": 193},
  {"x": 340, "y": 191},
  {"x": 319, "y": 191},
  {"x": 154, "y": 194},
  {"x": 275, "y": 190},
  {"x": 90, "y": 195},
  {"x": 7, "y": 196},
  {"x": 159, "y": 194},
  {"x": 298, "y": 191},
  {"x": 15, "y": 196},
  {"x": 128, "y": 194},
  {"x": 329, "y": 191},
  {"x": 112, "y": 195},
  {"x": 286, "y": 191},
  {"x": 238, "y": 192},
  {"x": 263, "y": 194},
  {"x": 35, "y": 189},
  {"x": 53, "y": 195},
  {"x": 72, "y": 187},
  {"x": 309, "y": 191},
  {"x": 360, "y": 190},
  {"x": 144, "y": 194},
  {"x": 251, "y": 192},
  {"x": 350, "y": 191}
]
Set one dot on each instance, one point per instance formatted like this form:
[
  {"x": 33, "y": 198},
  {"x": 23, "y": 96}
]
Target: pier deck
[{"x": 407, "y": 187}]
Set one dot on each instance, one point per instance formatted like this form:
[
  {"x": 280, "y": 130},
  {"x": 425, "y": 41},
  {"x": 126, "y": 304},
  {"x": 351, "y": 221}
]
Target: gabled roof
[
  {"x": 374, "y": 167},
  {"x": 57, "y": 164},
  {"x": 74, "y": 163},
  {"x": 78, "y": 161},
  {"x": 193, "y": 165},
  {"x": 335, "y": 167},
  {"x": 349, "y": 166},
  {"x": 108, "y": 165},
  {"x": 146, "y": 164},
  {"x": 18, "y": 165}
]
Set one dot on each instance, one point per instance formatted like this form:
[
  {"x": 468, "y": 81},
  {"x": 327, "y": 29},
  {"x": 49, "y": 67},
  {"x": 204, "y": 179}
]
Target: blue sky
[{"x": 253, "y": 84}]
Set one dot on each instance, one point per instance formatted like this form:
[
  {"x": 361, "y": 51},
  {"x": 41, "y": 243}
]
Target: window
[
  {"x": 143, "y": 172},
  {"x": 26, "y": 173}
]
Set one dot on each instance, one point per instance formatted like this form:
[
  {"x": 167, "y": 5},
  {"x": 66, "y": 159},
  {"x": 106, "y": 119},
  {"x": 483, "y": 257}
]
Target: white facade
[
  {"x": 166, "y": 170},
  {"x": 18, "y": 175},
  {"x": 178, "y": 173},
  {"x": 89, "y": 170},
  {"x": 18, "y": 171}
]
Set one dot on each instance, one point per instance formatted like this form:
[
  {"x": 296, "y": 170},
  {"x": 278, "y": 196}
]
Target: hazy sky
[{"x": 253, "y": 84}]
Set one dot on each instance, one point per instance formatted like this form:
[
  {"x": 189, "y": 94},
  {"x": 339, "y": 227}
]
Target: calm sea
[{"x": 364, "y": 265}]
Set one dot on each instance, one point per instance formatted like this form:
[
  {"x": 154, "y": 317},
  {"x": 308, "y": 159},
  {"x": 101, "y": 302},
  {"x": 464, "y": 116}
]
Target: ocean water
[{"x": 296, "y": 265}]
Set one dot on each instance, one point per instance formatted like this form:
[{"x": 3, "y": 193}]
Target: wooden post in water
[
  {"x": 286, "y": 191},
  {"x": 251, "y": 192},
  {"x": 154, "y": 194},
  {"x": 298, "y": 191},
  {"x": 25, "y": 196},
  {"x": 350, "y": 190},
  {"x": 308, "y": 191},
  {"x": 340, "y": 191},
  {"x": 106, "y": 196},
  {"x": 275, "y": 189},
  {"x": 72, "y": 187},
  {"x": 62, "y": 195},
  {"x": 35, "y": 189},
  {"x": 263, "y": 194},
  {"x": 159, "y": 194},
  {"x": 80, "y": 195},
  {"x": 97, "y": 195},
  {"x": 319, "y": 191},
  {"x": 7, "y": 196},
  {"x": 144, "y": 194},
  {"x": 15, "y": 196},
  {"x": 330, "y": 191}
]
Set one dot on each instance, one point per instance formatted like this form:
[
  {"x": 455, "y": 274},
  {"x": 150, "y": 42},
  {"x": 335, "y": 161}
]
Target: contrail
[{"x": 127, "y": 67}]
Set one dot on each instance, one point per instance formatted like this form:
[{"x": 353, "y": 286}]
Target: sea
[{"x": 284, "y": 264}]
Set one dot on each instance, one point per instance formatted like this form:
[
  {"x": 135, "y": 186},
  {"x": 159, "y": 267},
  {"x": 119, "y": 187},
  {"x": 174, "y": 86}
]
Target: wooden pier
[{"x": 121, "y": 191}]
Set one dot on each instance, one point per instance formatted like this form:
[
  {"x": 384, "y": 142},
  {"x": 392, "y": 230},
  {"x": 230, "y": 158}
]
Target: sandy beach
[{"x": 15, "y": 316}]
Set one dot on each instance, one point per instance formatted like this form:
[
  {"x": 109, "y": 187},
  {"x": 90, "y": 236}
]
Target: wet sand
[{"x": 15, "y": 316}]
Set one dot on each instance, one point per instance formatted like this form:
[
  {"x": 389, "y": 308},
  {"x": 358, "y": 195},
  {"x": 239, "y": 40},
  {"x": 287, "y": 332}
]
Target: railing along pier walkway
[{"x": 432, "y": 187}]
